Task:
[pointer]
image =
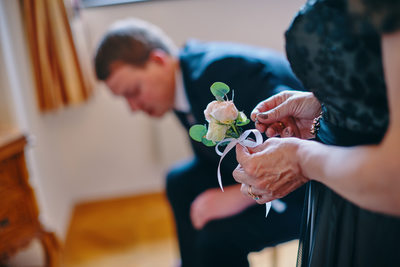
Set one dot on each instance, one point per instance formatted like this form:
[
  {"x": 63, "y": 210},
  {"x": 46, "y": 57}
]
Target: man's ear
[{"x": 158, "y": 56}]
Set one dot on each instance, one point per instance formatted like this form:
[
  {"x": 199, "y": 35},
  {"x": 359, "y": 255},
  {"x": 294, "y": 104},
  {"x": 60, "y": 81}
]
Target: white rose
[
  {"x": 222, "y": 111},
  {"x": 216, "y": 132}
]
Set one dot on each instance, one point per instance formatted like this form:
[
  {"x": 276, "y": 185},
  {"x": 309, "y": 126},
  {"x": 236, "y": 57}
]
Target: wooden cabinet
[{"x": 19, "y": 222}]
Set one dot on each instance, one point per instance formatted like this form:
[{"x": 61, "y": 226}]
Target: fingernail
[{"x": 263, "y": 116}]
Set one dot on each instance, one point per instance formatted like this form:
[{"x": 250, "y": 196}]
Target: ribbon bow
[{"x": 278, "y": 205}]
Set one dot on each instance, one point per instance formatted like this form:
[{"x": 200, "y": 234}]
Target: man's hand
[{"x": 214, "y": 204}]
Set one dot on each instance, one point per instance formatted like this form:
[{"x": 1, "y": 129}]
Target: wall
[
  {"x": 99, "y": 149},
  {"x": 7, "y": 117}
]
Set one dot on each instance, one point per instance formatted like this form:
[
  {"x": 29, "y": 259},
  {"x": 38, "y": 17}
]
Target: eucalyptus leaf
[
  {"x": 219, "y": 90},
  {"x": 241, "y": 117},
  {"x": 243, "y": 123},
  {"x": 197, "y": 132},
  {"x": 207, "y": 142}
]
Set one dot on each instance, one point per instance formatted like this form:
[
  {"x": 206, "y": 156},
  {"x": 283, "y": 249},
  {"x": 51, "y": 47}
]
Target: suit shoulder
[{"x": 199, "y": 57}]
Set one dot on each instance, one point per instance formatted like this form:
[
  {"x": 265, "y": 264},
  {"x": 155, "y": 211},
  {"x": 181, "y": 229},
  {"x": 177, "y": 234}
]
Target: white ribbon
[
  {"x": 277, "y": 205},
  {"x": 232, "y": 143}
]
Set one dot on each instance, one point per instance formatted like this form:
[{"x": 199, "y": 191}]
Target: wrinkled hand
[
  {"x": 289, "y": 113},
  {"x": 214, "y": 204},
  {"x": 272, "y": 168}
]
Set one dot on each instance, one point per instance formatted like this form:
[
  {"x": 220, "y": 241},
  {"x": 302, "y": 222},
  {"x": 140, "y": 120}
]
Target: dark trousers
[{"x": 225, "y": 242}]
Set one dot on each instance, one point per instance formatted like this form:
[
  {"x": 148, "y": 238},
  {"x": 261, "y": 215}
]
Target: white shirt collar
[{"x": 181, "y": 101}]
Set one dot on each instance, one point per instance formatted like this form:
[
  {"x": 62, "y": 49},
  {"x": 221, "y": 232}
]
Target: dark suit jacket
[{"x": 253, "y": 73}]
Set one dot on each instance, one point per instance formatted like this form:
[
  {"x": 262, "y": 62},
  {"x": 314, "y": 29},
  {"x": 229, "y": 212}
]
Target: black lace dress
[{"x": 334, "y": 48}]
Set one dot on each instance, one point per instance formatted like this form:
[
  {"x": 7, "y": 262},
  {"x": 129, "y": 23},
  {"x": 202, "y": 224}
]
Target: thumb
[
  {"x": 275, "y": 114},
  {"x": 242, "y": 154},
  {"x": 257, "y": 149}
]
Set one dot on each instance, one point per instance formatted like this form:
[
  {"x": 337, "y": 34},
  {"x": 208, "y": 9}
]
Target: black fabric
[
  {"x": 226, "y": 242},
  {"x": 342, "y": 233},
  {"x": 343, "y": 68},
  {"x": 384, "y": 15},
  {"x": 254, "y": 74},
  {"x": 336, "y": 54}
]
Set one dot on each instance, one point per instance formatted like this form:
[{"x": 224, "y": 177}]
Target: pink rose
[
  {"x": 216, "y": 132},
  {"x": 222, "y": 111}
]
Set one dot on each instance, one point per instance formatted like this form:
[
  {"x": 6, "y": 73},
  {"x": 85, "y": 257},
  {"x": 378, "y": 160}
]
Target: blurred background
[{"x": 91, "y": 152}]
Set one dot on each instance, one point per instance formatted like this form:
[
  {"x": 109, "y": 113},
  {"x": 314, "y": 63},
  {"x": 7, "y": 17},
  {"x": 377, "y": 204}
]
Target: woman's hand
[
  {"x": 271, "y": 169},
  {"x": 289, "y": 113}
]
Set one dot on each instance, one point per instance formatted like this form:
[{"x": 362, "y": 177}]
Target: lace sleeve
[{"x": 384, "y": 15}]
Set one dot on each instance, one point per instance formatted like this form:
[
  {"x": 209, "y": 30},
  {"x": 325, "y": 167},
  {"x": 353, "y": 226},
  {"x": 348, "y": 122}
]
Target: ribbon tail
[
  {"x": 267, "y": 208},
  {"x": 228, "y": 148},
  {"x": 219, "y": 175}
]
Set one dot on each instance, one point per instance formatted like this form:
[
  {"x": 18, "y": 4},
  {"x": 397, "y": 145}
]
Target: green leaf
[
  {"x": 219, "y": 90},
  {"x": 241, "y": 116},
  {"x": 197, "y": 132},
  {"x": 242, "y": 119},
  {"x": 207, "y": 142},
  {"x": 243, "y": 123}
]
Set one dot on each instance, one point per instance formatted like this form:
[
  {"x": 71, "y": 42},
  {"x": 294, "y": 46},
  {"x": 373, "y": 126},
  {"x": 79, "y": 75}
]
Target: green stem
[{"x": 235, "y": 130}]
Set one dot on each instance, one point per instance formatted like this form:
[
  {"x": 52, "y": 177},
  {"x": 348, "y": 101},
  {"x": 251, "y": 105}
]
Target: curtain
[{"x": 57, "y": 70}]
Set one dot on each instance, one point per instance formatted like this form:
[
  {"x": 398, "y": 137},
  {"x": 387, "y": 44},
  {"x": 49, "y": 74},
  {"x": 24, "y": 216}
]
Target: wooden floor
[{"x": 138, "y": 231}]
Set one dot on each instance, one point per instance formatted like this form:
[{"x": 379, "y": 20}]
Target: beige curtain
[{"x": 58, "y": 74}]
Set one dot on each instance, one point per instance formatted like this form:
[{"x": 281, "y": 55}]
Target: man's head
[{"x": 138, "y": 61}]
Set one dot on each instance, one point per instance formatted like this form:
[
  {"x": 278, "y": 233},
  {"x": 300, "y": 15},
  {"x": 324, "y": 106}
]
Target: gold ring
[
  {"x": 249, "y": 191},
  {"x": 255, "y": 197}
]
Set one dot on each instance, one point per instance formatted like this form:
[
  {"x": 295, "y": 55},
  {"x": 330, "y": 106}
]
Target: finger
[
  {"x": 287, "y": 132},
  {"x": 260, "y": 108},
  {"x": 276, "y": 114},
  {"x": 271, "y": 132},
  {"x": 275, "y": 129},
  {"x": 261, "y": 127},
  {"x": 291, "y": 128},
  {"x": 242, "y": 154},
  {"x": 254, "y": 113},
  {"x": 264, "y": 106},
  {"x": 259, "y": 191},
  {"x": 240, "y": 175},
  {"x": 244, "y": 190},
  {"x": 285, "y": 128},
  {"x": 258, "y": 148},
  {"x": 248, "y": 191}
]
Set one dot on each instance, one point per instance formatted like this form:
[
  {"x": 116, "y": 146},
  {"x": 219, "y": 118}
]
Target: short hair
[{"x": 129, "y": 41}]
